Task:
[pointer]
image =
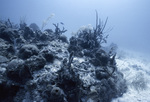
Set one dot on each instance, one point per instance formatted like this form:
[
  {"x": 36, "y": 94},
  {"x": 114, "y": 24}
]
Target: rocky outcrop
[{"x": 44, "y": 66}]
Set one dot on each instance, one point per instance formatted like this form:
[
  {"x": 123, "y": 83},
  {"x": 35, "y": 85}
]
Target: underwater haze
[
  {"x": 128, "y": 19},
  {"x": 44, "y": 60}
]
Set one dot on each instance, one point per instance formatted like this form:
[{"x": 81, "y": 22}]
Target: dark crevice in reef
[{"x": 44, "y": 66}]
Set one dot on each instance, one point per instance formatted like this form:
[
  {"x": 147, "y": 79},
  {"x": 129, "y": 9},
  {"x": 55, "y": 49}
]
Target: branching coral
[
  {"x": 89, "y": 37},
  {"x": 58, "y": 31},
  {"x": 99, "y": 30}
]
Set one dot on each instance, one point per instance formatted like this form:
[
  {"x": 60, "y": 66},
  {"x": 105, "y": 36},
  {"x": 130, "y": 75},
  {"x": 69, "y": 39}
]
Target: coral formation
[{"x": 43, "y": 66}]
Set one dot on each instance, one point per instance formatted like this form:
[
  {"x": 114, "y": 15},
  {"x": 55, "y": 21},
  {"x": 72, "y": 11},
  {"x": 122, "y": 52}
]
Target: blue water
[{"x": 128, "y": 27}]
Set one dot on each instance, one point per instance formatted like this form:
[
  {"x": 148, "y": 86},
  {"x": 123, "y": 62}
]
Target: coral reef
[{"x": 43, "y": 66}]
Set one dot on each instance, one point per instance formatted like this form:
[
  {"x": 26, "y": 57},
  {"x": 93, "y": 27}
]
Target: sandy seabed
[{"x": 136, "y": 69}]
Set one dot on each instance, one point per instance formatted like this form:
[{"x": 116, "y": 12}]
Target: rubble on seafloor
[{"x": 38, "y": 66}]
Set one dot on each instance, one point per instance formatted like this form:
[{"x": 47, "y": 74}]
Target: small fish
[{"x": 62, "y": 23}]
